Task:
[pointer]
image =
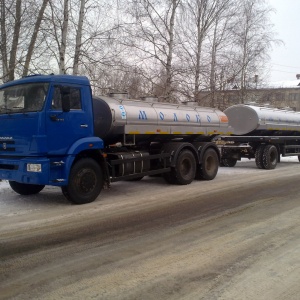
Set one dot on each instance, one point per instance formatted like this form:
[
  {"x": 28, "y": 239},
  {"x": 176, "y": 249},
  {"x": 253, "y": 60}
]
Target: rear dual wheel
[
  {"x": 184, "y": 171},
  {"x": 209, "y": 165}
]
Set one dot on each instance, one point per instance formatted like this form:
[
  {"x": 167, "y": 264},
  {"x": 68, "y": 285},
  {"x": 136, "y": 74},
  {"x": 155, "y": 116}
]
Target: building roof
[{"x": 282, "y": 84}]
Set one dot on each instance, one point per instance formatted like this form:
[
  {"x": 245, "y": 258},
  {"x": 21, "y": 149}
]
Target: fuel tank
[
  {"x": 249, "y": 119},
  {"x": 114, "y": 118}
]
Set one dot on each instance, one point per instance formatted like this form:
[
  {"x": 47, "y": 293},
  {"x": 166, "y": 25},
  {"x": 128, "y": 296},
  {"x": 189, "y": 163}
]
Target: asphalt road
[{"x": 236, "y": 237}]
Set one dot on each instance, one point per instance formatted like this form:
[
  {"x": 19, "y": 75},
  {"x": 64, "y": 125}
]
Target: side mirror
[
  {"x": 65, "y": 98},
  {"x": 65, "y": 103}
]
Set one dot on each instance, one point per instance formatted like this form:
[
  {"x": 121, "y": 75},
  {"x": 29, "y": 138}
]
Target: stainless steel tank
[
  {"x": 245, "y": 119},
  {"x": 115, "y": 117}
]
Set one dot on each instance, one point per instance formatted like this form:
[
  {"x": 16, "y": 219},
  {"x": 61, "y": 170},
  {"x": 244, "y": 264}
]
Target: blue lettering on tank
[
  {"x": 123, "y": 112},
  {"x": 198, "y": 118},
  {"x": 175, "y": 118},
  {"x": 188, "y": 117},
  {"x": 142, "y": 115},
  {"x": 209, "y": 119},
  {"x": 161, "y": 116}
]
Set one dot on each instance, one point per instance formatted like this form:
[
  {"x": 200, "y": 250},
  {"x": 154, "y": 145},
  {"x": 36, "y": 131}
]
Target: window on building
[{"x": 279, "y": 96}]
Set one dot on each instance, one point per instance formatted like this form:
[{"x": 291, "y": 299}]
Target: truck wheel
[
  {"x": 185, "y": 169},
  {"x": 170, "y": 177},
  {"x": 209, "y": 166},
  {"x": 229, "y": 162},
  {"x": 85, "y": 182},
  {"x": 259, "y": 156},
  {"x": 25, "y": 189},
  {"x": 270, "y": 157}
]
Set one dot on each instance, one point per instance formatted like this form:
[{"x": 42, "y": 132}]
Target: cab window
[{"x": 75, "y": 98}]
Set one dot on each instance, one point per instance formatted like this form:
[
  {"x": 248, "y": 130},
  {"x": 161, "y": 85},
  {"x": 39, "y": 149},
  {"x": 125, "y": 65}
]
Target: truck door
[{"x": 64, "y": 128}]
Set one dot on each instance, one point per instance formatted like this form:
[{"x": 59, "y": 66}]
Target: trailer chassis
[{"x": 266, "y": 150}]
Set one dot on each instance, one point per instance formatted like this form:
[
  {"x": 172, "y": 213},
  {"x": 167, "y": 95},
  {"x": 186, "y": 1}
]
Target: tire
[
  {"x": 270, "y": 157},
  {"x": 185, "y": 169},
  {"x": 209, "y": 165},
  {"x": 85, "y": 182},
  {"x": 229, "y": 162},
  {"x": 259, "y": 156},
  {"x": 299, "y": 158},
  {"x": 170, "y": 177},
  {"x": 25, "y": 189}
]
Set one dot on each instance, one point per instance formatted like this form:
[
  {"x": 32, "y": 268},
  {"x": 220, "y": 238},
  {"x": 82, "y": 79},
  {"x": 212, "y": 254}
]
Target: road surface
[{"x": 235, "y": 237}]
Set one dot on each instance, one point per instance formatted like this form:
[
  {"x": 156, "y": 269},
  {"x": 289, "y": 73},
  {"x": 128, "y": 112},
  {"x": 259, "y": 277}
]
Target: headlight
[{"x": 34, "y": 168}]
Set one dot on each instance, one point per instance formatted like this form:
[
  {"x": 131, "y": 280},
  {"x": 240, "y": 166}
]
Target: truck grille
[
  {"x": 8, "y": 167},
  {"x": 7, "y": 146}
]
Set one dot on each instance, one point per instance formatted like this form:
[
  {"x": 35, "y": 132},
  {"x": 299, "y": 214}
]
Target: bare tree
[
  {"x": 220, "y": 39},
  {"x": 152, "y": 37},
  {"x": 4, "y": 55},
  {"x": 34, "y": 37},
  {"x": 198, "y": 18},
  {"x": 63, "y": 44},
  {"x": 18, "y": 40},
  {"x": 253, "y": 39},
  {"x": 15, "y": 41},
  {"x": 78, "y": 37},
  {"x": 8, "y": 63}
]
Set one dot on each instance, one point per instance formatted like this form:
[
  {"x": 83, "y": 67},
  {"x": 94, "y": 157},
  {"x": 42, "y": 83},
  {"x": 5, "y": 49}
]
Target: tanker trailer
[
  {"x": 263, "y": 133},
  {"x": 151, "y": 138}
]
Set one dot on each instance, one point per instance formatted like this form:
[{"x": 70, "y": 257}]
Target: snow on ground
[{"x": 244, "y": 166}]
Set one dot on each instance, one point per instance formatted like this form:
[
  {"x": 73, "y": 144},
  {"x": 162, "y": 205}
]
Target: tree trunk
[
  {"x": 3, "y": 42},
  {"x": 63, "y": 45},
  {"x": 213, "y": 67},
  {"x": 200, "y": 29},
  {"x": 15, "y": 41},
  {"x": 34, "y": 37},
  {"x": 78, "y": 38},
  {"x": 168, "y": 90}
]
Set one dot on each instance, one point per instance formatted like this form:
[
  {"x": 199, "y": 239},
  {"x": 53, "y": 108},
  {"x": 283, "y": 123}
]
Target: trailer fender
[
  {"x": 201, "y": 147},
  {"x": 174, "y": 148}
]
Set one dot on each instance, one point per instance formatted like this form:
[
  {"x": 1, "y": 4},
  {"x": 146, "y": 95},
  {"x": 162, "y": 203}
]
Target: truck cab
[{"x": 45, "y": 121}]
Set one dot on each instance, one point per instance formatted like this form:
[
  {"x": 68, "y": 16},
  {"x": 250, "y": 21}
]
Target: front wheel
[
  {"x": 259, "y": 156},
  {"x": 25, "y": 189},
  {"x": 209, "y": 165},
  {"x": 270, "y": 157},
  {"x": 85, "y": 182}
]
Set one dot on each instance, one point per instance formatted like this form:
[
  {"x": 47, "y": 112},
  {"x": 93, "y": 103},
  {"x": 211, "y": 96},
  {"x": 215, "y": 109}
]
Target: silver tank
[
  {"x": 245, "y": 119},
  {"x": 115, "y": 117}
]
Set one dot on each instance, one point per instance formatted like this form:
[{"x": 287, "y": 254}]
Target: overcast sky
[{"x": 285, "y": 59}]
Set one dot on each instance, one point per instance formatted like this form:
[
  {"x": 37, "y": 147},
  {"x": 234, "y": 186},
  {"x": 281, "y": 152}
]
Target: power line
[
  {"x": 283, "y": 71},
  {"x": 286, "y": 66}
]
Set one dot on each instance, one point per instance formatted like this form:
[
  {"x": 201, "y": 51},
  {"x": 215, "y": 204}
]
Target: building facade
[{"x": 280, "y": 95}]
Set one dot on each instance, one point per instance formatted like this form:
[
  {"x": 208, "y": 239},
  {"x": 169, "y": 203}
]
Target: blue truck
[{"x": 53, "y": 131}]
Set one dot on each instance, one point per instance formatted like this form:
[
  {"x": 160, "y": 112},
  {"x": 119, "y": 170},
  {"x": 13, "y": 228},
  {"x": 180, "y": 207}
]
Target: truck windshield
[{"x": 23, "y": 98}]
